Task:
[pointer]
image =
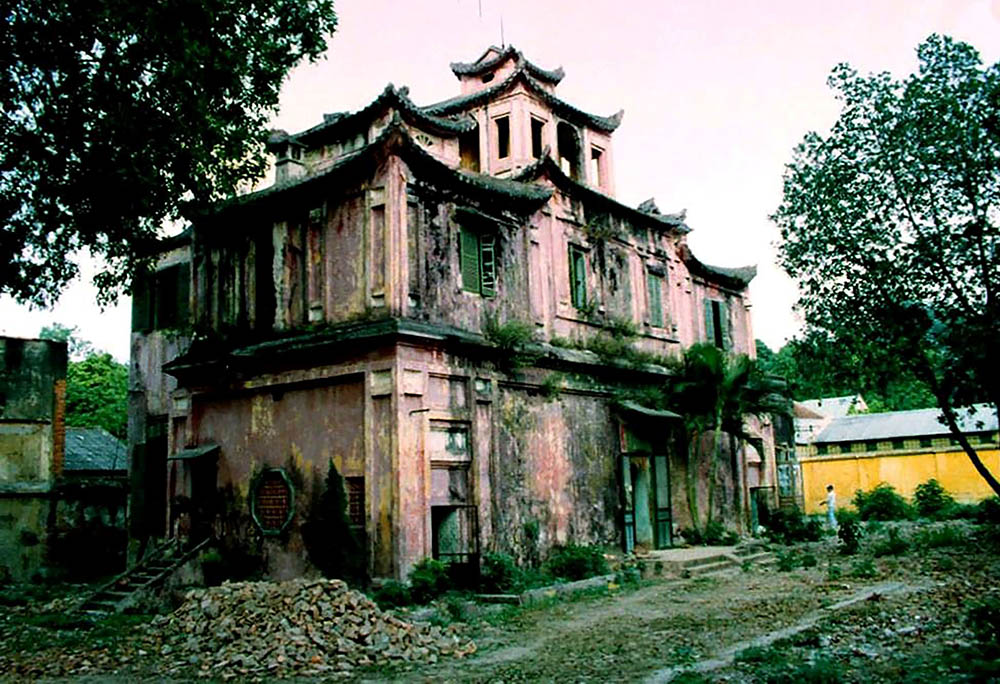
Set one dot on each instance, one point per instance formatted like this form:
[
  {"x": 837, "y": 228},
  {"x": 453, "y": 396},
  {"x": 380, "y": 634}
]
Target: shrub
[
  {"x": 809, "y": 560},
  {"x": 930, "y": 499},
  {"x": 833, "y": 572},
  {"x": 984, "y": 619},
  {"x": 850, "y": 532},
  {"x": 864, "y": 569},
  {"x": 989, "y": 511},
  {"x": 429, "y": 579},
  {"x": 893, "y": 545},
  {"x": 882, "y": 503},
  {"x": 789, "y": 526},
  {"x": 959, "y": 511},
  {"x": 392, "y": 594},
  {"x": 500, "y": 574},
  {"x": 786, "y": 561},
  {"x": 760, "y": 654},
  {"x": 574, "y": 562}
]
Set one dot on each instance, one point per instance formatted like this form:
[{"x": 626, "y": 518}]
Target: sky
[{"x": 716, "y": 94}]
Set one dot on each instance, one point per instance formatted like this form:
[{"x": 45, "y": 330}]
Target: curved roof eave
[
  {"x": 395, "y": 139},
  {"x": 521, "y": 75},
  {"x": 736, "y": 278},
  {"x": 390, "y": 98},
  {"x": 479, "y": 67},
  {"x": 547, "y": 166}
]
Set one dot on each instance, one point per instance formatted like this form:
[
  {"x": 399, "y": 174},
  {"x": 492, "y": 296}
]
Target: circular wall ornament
[{"x": 272, "y": 502}]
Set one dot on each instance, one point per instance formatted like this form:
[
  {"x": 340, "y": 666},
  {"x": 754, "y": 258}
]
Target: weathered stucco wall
[
  {"x": 25, "y": 452},
  {"x": 298, "y": 429},
  {"x": 23, "y": 536},
  {"x": 553, "y": 473}
]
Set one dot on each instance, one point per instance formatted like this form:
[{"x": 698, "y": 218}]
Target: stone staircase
[
  {"x": 147, "y": 576},
  {"x": 706, "y": 561}
]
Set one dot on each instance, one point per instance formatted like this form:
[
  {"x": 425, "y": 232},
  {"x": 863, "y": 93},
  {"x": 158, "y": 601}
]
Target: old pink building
[{"x": 373, "y": 308}]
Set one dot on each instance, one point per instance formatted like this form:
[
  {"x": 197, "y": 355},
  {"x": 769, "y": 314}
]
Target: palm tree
[{"x": 715, "y": 392}]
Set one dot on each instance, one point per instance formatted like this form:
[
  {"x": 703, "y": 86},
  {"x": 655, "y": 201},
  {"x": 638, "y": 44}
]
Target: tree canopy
[
  {"x": 889, "y": 224},
  {"x": 117, "y": 116},
  {"x": 816, "y": 366},
  {"x": 96, "y": 384}
]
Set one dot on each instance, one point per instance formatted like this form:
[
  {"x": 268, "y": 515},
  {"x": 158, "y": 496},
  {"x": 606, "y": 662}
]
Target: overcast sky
[{"x": 716, "y": 94}]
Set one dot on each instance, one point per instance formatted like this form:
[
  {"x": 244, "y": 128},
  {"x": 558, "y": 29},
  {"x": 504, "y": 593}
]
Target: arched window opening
[{"x": 568, "y": 142}]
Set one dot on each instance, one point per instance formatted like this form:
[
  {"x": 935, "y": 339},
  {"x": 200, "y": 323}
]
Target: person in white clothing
[{"x": 831, "y": 507}]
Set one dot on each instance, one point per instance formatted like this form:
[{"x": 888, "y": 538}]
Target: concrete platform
[{"x": 698, "y": 561}]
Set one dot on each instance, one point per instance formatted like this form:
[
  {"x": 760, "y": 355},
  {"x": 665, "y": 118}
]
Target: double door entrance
[{"x": 645, "y": 479}]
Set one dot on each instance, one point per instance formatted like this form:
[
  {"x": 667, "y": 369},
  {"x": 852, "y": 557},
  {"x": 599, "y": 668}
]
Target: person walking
[{"x": 831, "y": 507}]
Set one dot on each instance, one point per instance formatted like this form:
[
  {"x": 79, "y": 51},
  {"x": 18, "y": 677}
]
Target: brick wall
[{"x": 58, "y": 428}]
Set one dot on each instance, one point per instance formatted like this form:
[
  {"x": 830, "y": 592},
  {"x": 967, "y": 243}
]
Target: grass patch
[{"x": 939, "y": 537}]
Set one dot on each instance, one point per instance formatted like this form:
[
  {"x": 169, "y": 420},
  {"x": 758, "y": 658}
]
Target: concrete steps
[
  {"x": 705, "y": 561},
  {"x": 123, "y": 591}
]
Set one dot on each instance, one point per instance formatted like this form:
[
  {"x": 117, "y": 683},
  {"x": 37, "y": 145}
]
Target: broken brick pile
[{"x": 299, "y": 627}]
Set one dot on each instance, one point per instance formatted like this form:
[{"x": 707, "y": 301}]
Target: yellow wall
[{"x": 903, "y": 470}]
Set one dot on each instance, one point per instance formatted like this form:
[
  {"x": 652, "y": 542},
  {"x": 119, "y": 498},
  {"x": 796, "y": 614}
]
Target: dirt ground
[{"x": 912, "y": 628}]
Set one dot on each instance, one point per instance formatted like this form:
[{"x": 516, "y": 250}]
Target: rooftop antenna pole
[
  {"x": 502, "y": 43},
  {"x": 480, "y": 9}
]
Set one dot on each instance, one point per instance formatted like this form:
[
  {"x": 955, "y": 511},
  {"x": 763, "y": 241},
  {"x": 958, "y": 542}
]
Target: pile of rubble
[{"x": 300, "y": 627}]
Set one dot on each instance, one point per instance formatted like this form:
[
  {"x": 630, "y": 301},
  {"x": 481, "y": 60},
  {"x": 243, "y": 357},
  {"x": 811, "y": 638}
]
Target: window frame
[
  {"x": 502, "y": 136},
  {"x": 654, "y": 293},
  {"x": 577, "y": 256},
  {"x": 477, "y": 261}
]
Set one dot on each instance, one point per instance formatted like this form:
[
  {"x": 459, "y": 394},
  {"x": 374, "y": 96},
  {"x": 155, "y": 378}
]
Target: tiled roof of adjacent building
[
  {"x": 903, "y": 424},
  {"x": 94, "y": 449},
  {"x": 836, "y": 407}
]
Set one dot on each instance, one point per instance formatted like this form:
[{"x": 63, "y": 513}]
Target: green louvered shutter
[
  {"x": 577, "y": 276},
  {"x": 654, "y": 283},
  {"x": 709, "y": 322},
  {"x": 469, "y": 248},
  {"x": 488, "y": 264}
]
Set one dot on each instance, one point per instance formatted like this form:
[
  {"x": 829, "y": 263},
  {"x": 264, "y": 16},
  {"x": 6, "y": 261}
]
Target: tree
[
  {"x": 96, "y": 384},
  {"x": 715, "y": 392},
  {"x": 119, "y": 116},
  {"x": 816, "y": 366},
  {"x": 77, "y": 348},
  {"x": 329, "y": 539},
  {"x": 889, "y": 224}
]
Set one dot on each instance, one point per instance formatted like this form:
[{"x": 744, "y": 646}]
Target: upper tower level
[
  {"x": 497, "y": 64},
  {"x": 506, "y": 118}
]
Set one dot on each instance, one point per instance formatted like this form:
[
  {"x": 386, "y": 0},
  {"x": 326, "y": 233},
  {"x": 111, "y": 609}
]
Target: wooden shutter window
[
  {"x": 709, "y": 322},
  {"x": 577, "y": 276},
  {"x": 469, "y": 255},
  {"x": 654, "y": 284},
  {"x": 488, "y": 265}
]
